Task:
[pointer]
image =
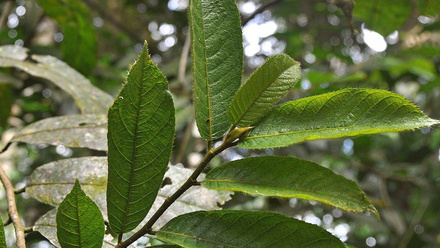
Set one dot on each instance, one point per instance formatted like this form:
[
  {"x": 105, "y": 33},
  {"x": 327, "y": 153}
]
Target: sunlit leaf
[
  {"x": 79, "y": 221},
  {"x": 51, "y": 182},
  {"x": 88, "y": 98},
  {"x": 140, "y": 138},
  {"x": 88, "y": 131},
  {"x": 338, "y": 114},
  {"x": 383, "y": 16},
  {"x": 217, "y": 56},
  {"x": 47, "y": 226},
  {"x": 289, "y": 177},
  {"x": 79, "y": 44},
  {"x": 265, "y": 87},
  {"x": 247, "y": 229}
]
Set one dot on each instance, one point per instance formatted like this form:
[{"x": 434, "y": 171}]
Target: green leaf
[
  {"x": 428, "y": 7},
  {"x": 88, "y": 131},
  {"x": 88, "y": 98},
  {"x": 217, "y": 57},
  {"x": 2, "y": 234},
  {"x": 7, "y": 99},
  {"x": 140, "y": 139},
  {"x": 265, "y": 87},
  {"x": 47, "y": 226},
  {"x": 232, "y": 228},
  {"x": 79, "y": 45},
  {"x": 383, "y": 16},
  {"x": 79, "y": 221},
  {"x": 289, "y": 177},
  {"x": 342, "y": 113}
]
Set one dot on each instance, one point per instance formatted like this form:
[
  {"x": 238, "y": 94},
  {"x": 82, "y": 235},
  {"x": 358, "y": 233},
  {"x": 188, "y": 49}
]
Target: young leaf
[
  {"x": 88, "y": 98},
  {"x": 2, "y": 234},
  {"x": 140, "y": 139},
  {"x": 51, "y": 182},
  {"x": 217, "y": 57},
  {"x": 289, "y": 177},
  {"x": 79, "y": 221},
  {"x": 247, "y": 229},
  {"x": 342, "y": 113},
  {"x": 265, "y": 87},
  {"x": 79, "y": 45},
  {"x": 88, "y": 131}
]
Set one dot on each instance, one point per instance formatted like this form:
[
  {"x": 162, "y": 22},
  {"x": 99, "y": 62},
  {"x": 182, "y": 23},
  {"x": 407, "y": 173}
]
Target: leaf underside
[
  {"x": 88, "y": 131},
  {"x": 264, "y": 88},
  {"x": 342, "y": 113},
  {"x": 79, "y": 221},
  {"x": 88, "y": 98},
  {"x": 289, "y": 177},
  {"x": 217, "y": 57},
  {"x": 244, "y": 229},
  {"x": 140, "y": 138}
]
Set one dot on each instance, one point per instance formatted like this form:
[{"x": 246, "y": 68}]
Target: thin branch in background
[
  {"x": 406, "y": 238},
  {"x": 6, "y": 10},
  {"x": 108, "y": 17},
  {"x": 185, "y": 141},
  {"x": 259, "y": 10},
  {"x": 12, "y": 209},
  {"x": 183, "y": 61}
]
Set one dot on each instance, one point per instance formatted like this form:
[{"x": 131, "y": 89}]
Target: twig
[
  {"x": 12, "y": 209},
  {"x": 183, "y": 61},
  {"x": 6, "y": 9},
  {"x": 424, "y": 203},
  {"x": 259, "y": 10},
  {"x": 191, "y": 181},
  {"x": 19, "y": 191}
]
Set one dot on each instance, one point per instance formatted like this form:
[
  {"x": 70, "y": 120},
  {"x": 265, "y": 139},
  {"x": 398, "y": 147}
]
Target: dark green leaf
[
  {"x": 72, "y": 130},
  {"x": 265, "y": 87},
  {"x": 140, "y": 139},
  {"x": 50, "y": 183},
  {"x": 289, "y": 177},
  {"x": 429, "y": 7},
  {"x": 79, "y": 45},
  {"x": 47, "y": 226},
  {"x": 245, "y": 229},
  {"x": 7, "y": 99},
  {"x": 79, "y": 221},
  {"x": 383, "y": 16},
  {"x": 338, "y": 114},
  {"x": 2, "y": 234},
  {"x": 88, "y": 98},
  {"x": 217, "y": 55}
]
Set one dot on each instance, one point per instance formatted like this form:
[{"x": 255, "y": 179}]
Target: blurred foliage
[{"x": 399, "y": 172}]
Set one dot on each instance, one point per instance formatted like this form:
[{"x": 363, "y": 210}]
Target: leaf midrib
[
  {"x": 259, "y": 95},
  {"x": 138, "y": 109}
]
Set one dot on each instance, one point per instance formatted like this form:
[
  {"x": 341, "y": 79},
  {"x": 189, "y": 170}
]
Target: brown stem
[
  {"x": 191, "y": 181},
  {"x": 259, "y": 10},
  {"x": 6, "y": 9},
  {"x": 12, "y": 209}
]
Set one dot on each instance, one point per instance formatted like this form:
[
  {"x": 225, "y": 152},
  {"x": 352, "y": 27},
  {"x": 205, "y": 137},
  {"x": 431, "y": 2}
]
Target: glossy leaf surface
[
  {"x": 79, "y": 45},
  {"x": 289, "y": 177},
  {"x": 79, "y": 221},
  {"x": 265, "y": 87},
  {"x": 338, "y": 114},
  {"x": 88, "y": 98},
  {"x": 246, "y": 229},
  {"x": 140, "y": 139},
  {"x": 88, "y": 131},
  {"x": 217, "y": 58}
]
